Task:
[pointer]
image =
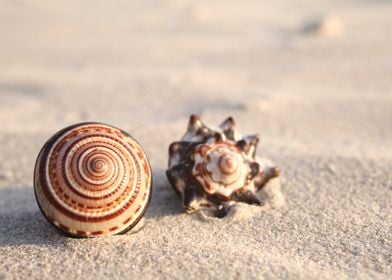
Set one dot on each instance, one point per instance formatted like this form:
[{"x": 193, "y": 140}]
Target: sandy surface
[{"x": 322, "y": 104}]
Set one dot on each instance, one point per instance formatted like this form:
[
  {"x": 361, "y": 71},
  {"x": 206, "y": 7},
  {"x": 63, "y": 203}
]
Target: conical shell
[
  {"x": 92, "y": 179},
  {"x": 216, "y": 167}
]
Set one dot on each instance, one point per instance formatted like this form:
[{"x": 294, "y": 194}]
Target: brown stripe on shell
[
  {"x": 69, "y": 185},
  {"x": 63, "y": 171},
  {"x": 137, "y": 164},
  {"x": 113, "y": 228},
  {"x": 56, "y": 183}
]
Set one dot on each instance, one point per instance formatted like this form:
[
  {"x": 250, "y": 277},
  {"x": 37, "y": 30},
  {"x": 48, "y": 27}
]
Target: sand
[{"x": 322, "y": 105}]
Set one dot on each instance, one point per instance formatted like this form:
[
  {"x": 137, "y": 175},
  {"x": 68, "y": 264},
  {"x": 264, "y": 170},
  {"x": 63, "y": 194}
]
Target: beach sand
[{"x": 320, "y": 97}]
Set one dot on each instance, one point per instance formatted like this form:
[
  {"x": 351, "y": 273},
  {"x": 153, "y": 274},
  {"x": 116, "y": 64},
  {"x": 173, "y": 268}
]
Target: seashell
[
  {"x": 92, "y": 179},
  {"x": 214, "y": 168}
]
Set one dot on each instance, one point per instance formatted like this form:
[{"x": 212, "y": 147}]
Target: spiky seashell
[
  {"x": 215, "y": 167},
  {"x": 92, "y": 179}
]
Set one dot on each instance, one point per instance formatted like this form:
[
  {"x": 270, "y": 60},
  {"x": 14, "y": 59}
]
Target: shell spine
[{"x": 214, "y": 168}]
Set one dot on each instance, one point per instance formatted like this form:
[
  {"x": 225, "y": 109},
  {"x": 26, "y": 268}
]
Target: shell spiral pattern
[
  {"x": 92, "y": 179},
  {"x": 219, "y": 168},
  {"x": 216, "y": 167}
]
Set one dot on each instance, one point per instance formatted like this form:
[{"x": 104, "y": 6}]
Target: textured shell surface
[
  {"x": 92, "y": 179},
  {"x": 214, "y": 167}
]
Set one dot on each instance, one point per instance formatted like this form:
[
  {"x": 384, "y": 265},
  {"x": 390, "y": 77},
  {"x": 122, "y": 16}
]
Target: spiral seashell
[
  {"x": 92, "y": 179},
  {"x": 216, "y": 167},
  {"x": 219, "y": 168}
]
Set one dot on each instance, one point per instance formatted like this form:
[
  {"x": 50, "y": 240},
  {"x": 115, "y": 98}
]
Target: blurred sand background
[{"x": 321, "y": 101}]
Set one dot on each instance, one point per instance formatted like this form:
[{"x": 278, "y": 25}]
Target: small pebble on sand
[{"x": 327, "y": 26}]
